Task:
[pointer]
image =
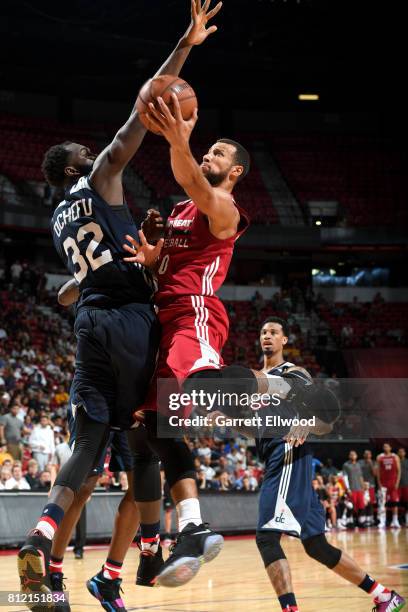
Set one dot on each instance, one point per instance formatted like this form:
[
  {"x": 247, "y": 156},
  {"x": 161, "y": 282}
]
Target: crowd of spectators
[
  {"x": 226, "y": 465},
  {"x": 37, "y": 362},
  {"x": 351, "y": 494}
]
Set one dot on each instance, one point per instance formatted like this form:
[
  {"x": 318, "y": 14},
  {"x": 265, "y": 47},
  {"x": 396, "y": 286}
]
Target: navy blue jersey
[{"x": 88, "y": 234}]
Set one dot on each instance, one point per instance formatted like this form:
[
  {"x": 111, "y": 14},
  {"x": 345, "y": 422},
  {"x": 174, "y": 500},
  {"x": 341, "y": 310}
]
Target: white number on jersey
[
  {"x": 164, "y": 264},
  {"x": 95, "y": 262}
]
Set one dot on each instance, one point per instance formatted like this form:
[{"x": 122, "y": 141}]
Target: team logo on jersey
[{"x": 280, "y": 518}]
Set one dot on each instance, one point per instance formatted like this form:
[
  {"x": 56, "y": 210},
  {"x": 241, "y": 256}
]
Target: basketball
[{"x": 164, "y": 86}]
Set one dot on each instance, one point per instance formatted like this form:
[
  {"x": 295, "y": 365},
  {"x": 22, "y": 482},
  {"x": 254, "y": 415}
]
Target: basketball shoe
[
  {"x": 58, "y": 586},
  {"x": 195, "y": 545},
  {"x": 150, "y": 565},
  {"x": 395, "y": 603},
  {"x": 107, "y": 592},
  {"x": 32, "y": 562}
]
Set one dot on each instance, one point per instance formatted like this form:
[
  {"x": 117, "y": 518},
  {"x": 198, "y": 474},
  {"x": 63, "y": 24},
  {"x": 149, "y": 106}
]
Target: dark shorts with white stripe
[
  {"x": 287, "y": 501},
  {"x": 121, "y": 458}
]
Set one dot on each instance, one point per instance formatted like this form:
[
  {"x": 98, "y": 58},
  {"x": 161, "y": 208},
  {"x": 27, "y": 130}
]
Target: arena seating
[
  {"x": 24, "y": 140},
  {"x": 379, "y": 326},
  {"x": 366, "y": 177},
  {"x": 243, "y": 345}
]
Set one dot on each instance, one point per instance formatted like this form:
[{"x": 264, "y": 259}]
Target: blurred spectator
[
  {"x": 328, "y": 469},
  {"x": 235, "y": 456},
  {"x": 203, "y": 449},
  {"x": 369, "y": 471},
  {"x": 17, "y": 480},
  {"x": 355, "y": 482},
  {"x": 4, "y": 454},
  {"x": 61, "y": 397},
  {"x": 5, "y": 475},
  {"x": 15, "y": 271},
  {"x": 42, "y": 442},
  {"x": 44, "y": 483},
  {"x": 32, "y": 475},
  {"x": 11, "y": 430},
  {"x": 207, "y": 468},
  {"x": 247, "y": 482},
  {"x": 224, "y": 466},
  {"x": 201, "y": 479},
  {"x": 346, "y": 334},
  {"x": 223, "y": 482}
]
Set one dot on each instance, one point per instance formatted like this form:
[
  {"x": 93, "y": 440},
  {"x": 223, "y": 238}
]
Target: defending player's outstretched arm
[{"x": 107, "y": 171}]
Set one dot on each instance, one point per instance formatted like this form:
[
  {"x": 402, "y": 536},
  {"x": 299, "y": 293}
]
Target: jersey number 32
[{"x": 83, "y": 263}]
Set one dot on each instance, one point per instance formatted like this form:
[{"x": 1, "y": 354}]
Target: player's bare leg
[
  {"x": 33, "y": 558},
  {"x": 63, "y": 536},
  {"x": 281, "y": 579},
  {"x": 277, "y": 567},
  {"x": 127, "y": 520},
  {"x": 106, "y": 585},
  {"x": 384, "y": 600}
]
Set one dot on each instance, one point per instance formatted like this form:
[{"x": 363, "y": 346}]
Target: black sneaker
[
  {"x": 32, "y": 563},
  {"x": 107, "y": 592},
  {"x": 195, "y": 545},
  {"x": 79, "y": 553},
  {"x": 58, "y": 586},
  {"x": 150, "y": 565}
]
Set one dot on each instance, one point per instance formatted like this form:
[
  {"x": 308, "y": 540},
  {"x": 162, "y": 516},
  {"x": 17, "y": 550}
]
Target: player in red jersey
[
  {"x": 193, "y": 261},
  {"x": 389, "y": 475}
]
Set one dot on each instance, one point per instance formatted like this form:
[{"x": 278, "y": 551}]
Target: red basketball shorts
[
  {"x": 392, "y": 492},
  {"x": 194, "y": 331},
  {"x": 357, "y": 497}
]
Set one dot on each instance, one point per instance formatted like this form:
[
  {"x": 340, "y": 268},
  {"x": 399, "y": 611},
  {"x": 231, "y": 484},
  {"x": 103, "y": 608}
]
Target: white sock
[
  {"x": 152, "y": 544},
  {"x": 188, "y": 511},
  {"x": 381, "y": 594}
]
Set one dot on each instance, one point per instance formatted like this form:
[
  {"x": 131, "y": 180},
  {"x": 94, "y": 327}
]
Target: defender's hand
[
  {"x": 200, "y": 16},
  {"x": 143, "y": 253},
  {"x": 174, "y": 128},
  {"x": 297, "y": 435},
  {"x": 153, "y": 225}
]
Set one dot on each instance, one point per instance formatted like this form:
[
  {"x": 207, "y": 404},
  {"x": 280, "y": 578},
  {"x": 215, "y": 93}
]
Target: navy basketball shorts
[
  {"x": 287, "y": 501},
  {"x": 121, "y": 459},
  {"x": 115, "y": 361}
]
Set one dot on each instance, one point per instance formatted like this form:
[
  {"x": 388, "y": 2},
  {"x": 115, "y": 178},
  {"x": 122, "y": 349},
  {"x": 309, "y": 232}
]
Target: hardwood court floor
[{"x": 236, "y": 580}]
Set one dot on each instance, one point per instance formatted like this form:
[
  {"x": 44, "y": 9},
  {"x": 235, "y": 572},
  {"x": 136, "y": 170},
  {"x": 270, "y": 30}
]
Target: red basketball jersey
[
  {"x": 387, "y": 465},
  {"x": 192, "y": 260}
]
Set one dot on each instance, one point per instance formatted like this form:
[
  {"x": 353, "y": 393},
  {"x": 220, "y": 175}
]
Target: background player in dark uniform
[
  {"x": 115, "y": 325},
  {"x": 288, "y": 504}
]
